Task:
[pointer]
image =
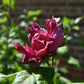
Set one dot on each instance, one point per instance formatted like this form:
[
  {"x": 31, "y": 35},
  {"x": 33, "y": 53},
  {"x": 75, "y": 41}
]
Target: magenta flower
[{"x": 43, "y": 41}]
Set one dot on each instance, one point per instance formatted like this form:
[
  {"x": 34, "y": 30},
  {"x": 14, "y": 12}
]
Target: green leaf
[
  {"x": 66, "y": 22},
  {"x": 10, "y": 3},
  {"x": 75, "y": 35},
  {"x": 46, "y": 73},
  {"x": 22, "y": 16},
  {"x": 56, "y": 78},
  {"x": 64, "y": 80},
  {"x": 23, "y": 77},
  {"x": 76, "y": 83},
  {"x": 76, "y": 28},
  {"x": 34, "y": 13},
  {"x": 77, "y": 20},
  {"x": 18, "y": 67},
  {"x": 34, "y": 18},
  {"x": 3, "y": 20},
  {"x": 4, "y": 46},
  {"x": 66, "y": 37},
  {"x": 23, "y": 24},
  {"x": 57, "y": 19},
  {"x": 74, "y": 62},
  {"x": 26, "y": 78},
  {"x": 62, "y": 50},
  {"x": 7, "y": 79},
  {"x": 63, "y": 70}
]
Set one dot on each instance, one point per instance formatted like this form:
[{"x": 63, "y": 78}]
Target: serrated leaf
[
  {"x": 21, "y": 76},
  {"x": 26, "y": 78}
]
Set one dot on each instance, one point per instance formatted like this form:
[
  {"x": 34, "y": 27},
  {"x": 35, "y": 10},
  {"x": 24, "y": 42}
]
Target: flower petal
[
  {"x": 25, "y": 59},
  {"x": 20, "y": 49},
  {"x": 37, "y": 44},
  {"x": 29, "y": 50},
  {"x": 42, "y": 53},
  {"x": 50, "y": 24},
  {"x": 55, "y": 34},
  {"x": 33, "y": 30}
]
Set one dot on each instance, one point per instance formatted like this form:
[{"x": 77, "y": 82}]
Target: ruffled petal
[
  {"x": 50, "y": 25},
  {"x": 55, "y": 34},
  {"x": 25, "y": 59},
  {"x": 33, "y": 30},
  {"x": 20, "y": 49},
  {"x": 42, "y": 53},
  {"x": 37, "y": 44},
  {"x": 30, "y": 50}
]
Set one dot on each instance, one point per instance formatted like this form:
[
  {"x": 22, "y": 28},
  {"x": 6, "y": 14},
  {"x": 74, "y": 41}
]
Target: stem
[
  {"x": 48, "y": 64},
  {"x": 52, "y": 61},
  {"x": 57, "y": 63},
  {"x": 9, "y": 14},
  {"x": 7, "y": 36}
]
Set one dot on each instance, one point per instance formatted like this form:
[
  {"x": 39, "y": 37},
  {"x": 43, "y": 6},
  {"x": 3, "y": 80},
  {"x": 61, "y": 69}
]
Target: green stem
[
  {"x": 7, "y": 36},
  {"x": 52, "y": 61},
  {"x": 48, "y": 64}
]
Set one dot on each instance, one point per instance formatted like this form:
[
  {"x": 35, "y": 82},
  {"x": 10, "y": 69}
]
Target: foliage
[
  {"x": 25, "y": 77},
  {"x": 10, "y": 59}
]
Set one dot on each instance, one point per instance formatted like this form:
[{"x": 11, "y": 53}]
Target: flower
[{"x": 43, "y": 41}]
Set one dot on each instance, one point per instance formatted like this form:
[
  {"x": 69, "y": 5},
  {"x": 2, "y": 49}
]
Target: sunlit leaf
[
  {"x": 64, "y": 80},
  {"x": 34, "y": 18},
  {"x": 18, "y": 67},
  {"x": 62, "y": 50},
  {"x": 66, "y": 37},
  {"x": 63, "y": 70},
  {"x": 66, "y": 21},
  {"x": 77, "y": 83},
  {"x": 22, "y": 16},
  {"x": 23, "y": 24},
  {"x": 10, "y": 3},
  {"x": 25, "y": 78},
  {"x": 77, "y": 20},
  {"x": 34, "y": 13},
  {"x": 74, "y": 62},
  {"x": 57, "y": 19},
  {"x": 4, "y": 46},
  {"x": 3, "y": 20},
  {"x": 7, "y": 79},
  {"x": 76, "y": 28}
]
